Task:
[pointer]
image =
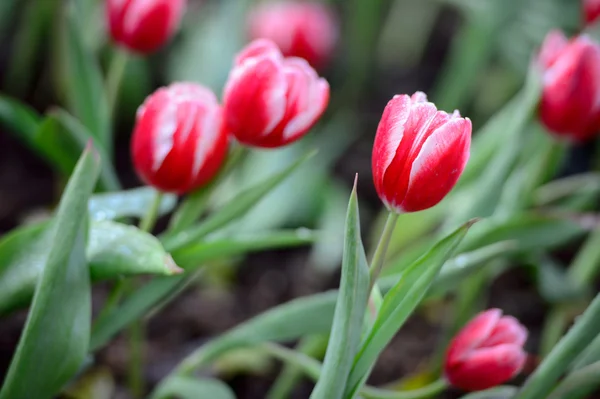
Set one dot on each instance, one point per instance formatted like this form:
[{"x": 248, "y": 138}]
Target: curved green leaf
[
  {"x": 113, "y": 250},
  {"x": 224, "y": 247},
  {"x": 55, "y": 340}
]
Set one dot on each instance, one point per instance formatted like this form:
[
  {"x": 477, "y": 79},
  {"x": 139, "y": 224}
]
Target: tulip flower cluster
[{"x": 497, "y": 205}]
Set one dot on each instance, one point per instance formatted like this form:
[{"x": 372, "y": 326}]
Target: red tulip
[
  {"x": 300, "y": 29},
  {"x": 179, "y": 141},
  {"x": 419, "y": 153},
  {"x": 143, "y": 25},
  {"x": 570, "y": 104},
  {"x": 269, "y": 100},
  {"x": 487, "y": 352},
  {"x": 591, "y": 11}
]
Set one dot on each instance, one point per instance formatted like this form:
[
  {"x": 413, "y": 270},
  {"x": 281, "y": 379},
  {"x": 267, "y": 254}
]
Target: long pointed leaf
[
  {"x": 349, "y": 311},
  {"x": 55, "y": 340}
]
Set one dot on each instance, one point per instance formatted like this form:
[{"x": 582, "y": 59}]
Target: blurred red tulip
[
  {"x": 487, "y": 352},
  {"x": 269, "y": 100},
  {"x": 419, "y": 153},
  {"x": 570, "y": 104},
  {"x": 591, "y": 11},
  {"x": 143, "y": 26},
  {"x": 300, "y": 29},
  {"x": 179, "y": 141}
]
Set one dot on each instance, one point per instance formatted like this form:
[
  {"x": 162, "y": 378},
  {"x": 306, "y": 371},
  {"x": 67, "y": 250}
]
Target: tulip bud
[
  {"x": 300, "y": 29},
  {"x": 487, "y": 352},
  {"x": 269, "y": 100},
  {"x": 179, "y": 141},
  {"x": 591, "y": 11},
  {"x": 419, "y": 153},
  {"x": 570, "y": 104},
  {"x": 143, "y": 25}
]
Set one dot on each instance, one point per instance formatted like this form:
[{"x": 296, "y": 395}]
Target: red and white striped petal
[{"x": 255, "y": 99}]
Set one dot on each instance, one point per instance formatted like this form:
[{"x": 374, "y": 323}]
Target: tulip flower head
[
  {"x": 570, "y": 104},
  {"x": 419, "y": 153},
  {"x": 591, "y": 11},
  {"x": 301, "y": 29},
  {"x": 271, "y": 101},
  {"x": 143, "y": 26},
  {"x": 487, "y": 352},
  {"x": 179, "y": 141}
]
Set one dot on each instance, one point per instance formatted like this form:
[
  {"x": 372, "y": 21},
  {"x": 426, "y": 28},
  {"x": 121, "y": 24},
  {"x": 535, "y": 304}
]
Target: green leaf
[
  {"x": 83, "y": 80},
  {"x": 23, "y": 252},
  {"x": 582, "y": 333},
  {"x": 113, "y": 250},
  {"x": 20, "y": 119},
  {"x": 195, "y": 388},
  {"x": 556, "y": 190},
  {"x": 55, "y": 340},
  {"x": 399, "y": 303},
  {"x": 60, "y": 150},
  {"x": 234, "y": 209},
  {"x": 134, "y": 307},
  {"x": 116, "y": 249},
  {"x": 554, "y": 284},
  {"x": 128, "y": 203},
  {"x": 530, "y": 231},
  {"x": 224, "y": 247},
  {"x": 456, "y": 269},
  {"x": 291, "y": 320},
  {"x": 80, "y": 134},
  {"x": 503, "y": 392},
  {"x": 485, "y": 193},
  {"x": 578, "y": 384},
  {"x": 27, "y": 46},
  {"x": 590, "y": 355},
  {"x": 349, "y": 311},
  {"x": 161, "y": 289}
]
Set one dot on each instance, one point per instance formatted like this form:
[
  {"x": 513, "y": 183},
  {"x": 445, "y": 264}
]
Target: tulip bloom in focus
[
  {"x": 179, "y": 141},
  {"x": 487, "y": 352},
  {"x": 306, "y": 30},
  {"x": 570, "y": 104},
  {"x": 269, "y": 100},
  {"x": 143, "y": 26},
  {"x": 419, "y": 153},
  {"x": 591, "y": 11}
]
